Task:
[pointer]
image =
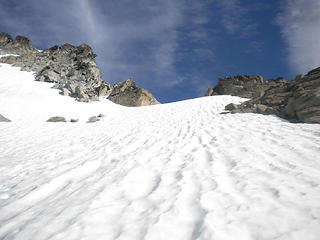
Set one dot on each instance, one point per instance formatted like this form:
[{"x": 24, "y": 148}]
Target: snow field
[{"x": 171, "y": 171}]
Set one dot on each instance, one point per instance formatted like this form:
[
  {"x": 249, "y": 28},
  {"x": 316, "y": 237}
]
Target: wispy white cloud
[
  {"x": 231, "y": 16},
  {"x": 132, "y": 38},
  {"x": 235, "y": 17},
  {"x": 300, "y": 21},
  {"x": 204, "y": 54}
]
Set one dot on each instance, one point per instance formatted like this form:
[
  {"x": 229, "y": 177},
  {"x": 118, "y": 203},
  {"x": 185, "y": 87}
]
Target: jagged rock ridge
[
  {"x": 244, "y": 86},
  {"x": 19, "y": 45},
  {"x": 72, "y": 68},
  {"x": 297, "y": 100}
]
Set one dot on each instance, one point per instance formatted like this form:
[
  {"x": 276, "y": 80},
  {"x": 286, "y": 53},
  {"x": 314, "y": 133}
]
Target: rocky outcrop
[
  {"x": 297, "y": 100},
  {"x": 72, "y": 68},
  {"x": 4, "y": 119},
  {"x": 243, "y": 86},
  {"x": 93, "y": 119},
  {"x": 128, "y": 94},
  {"x": 19, "y": 45}
]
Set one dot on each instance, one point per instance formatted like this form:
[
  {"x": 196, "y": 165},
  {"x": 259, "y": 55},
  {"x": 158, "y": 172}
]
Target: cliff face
[
  {"x": 297, "y": 100},
  {"x": 72, "y": 68}
]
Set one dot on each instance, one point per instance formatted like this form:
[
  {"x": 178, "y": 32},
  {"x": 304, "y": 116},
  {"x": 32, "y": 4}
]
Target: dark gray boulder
[
  {"x": 93, "y": 119},
  {"x": 4, "y": 119},
  {"x": 128, "y": 94},
  {"x": 231, "y": 107},
  {"x": 56, "y": 119}
]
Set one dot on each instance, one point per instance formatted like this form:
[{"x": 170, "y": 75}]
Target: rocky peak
[
  {"x": 20, "y": 45},
  {"x": 129, "y": 84},
  {"x": 128, "y": 94},
  {"x": 5, "y": 38},
  {"x": 86, "y": 50},
  {"x": 73, "y": 70},
  {"x": 22, "y": 40},
  {"x": 243, "y": 86}
]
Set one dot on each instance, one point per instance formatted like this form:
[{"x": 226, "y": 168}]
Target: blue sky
[{"x": 176, "y": 49}]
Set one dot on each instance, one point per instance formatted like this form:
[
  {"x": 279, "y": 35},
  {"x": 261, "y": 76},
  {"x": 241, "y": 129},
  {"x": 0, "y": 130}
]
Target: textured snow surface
[
  {"x": 8, "y": 55},
  {"x": 172, "y": 171}
]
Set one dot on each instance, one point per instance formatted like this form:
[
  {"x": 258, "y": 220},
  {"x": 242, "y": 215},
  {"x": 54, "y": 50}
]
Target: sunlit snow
[{"x": 175, "y": 171}]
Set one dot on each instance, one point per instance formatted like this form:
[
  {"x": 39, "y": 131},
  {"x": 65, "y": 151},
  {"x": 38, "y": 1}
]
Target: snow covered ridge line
[{"x": 73, "y": 70}]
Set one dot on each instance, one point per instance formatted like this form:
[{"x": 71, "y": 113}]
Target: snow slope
[{"x": 171, "y": 171}]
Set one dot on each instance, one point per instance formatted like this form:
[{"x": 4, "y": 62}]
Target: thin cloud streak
[
  {"x": 150, "y": 41},
  {"x": 235, "y": 19},
  {"x": 131, "y": 38},
  {"x": 300, "y": 21}
]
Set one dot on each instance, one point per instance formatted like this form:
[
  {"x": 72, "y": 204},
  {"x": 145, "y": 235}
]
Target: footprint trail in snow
[{"x": 171, "y": 171}]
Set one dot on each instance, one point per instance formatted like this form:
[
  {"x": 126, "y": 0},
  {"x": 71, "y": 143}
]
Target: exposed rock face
[
  {"x": 20, "y": 45},
  {"x": 72, "y": 69},
  {"x": 128, "y": 94},
  {"x": 304, "y": 104},
  {"x": 297, "y": 100},
  {"x": 243, "y": 86},
  {"x": 4, "y": 119}
]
